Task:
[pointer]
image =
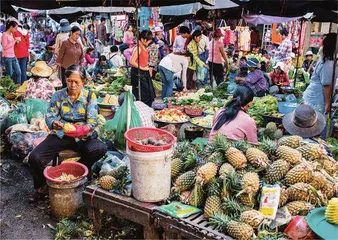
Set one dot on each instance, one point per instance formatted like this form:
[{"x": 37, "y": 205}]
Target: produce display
[
  {"x": 271, "y": 131},
  {"x": 331, "y": 212},
  {"x": 171, "y": 116},
  {"x": 267, "y": 105},
  {"x": 205, "y": 122},
  {"x": 226, "y": 179},
  {"x": 116, "y": 87},
  {"x": 110, "y": 99},
  {"x": 152, "y": 142},
  {"x": 66, "y": 177}
]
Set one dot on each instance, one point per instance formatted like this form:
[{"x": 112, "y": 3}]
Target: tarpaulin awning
[
  {"x": 265, "y": 19},
  {"x": 108, "y": 9},
  {"x": 193, "y": 8}
]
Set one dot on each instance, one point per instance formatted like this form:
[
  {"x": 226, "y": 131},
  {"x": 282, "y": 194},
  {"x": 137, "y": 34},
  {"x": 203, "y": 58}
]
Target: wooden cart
[{"x": 122, "y": 206}]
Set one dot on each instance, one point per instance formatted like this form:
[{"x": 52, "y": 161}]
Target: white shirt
[
  {"x": 116, "y": 60},
  {"x": 179, "y": 44},
  {"x": 176, "y": 63},
  {"x": 203, "y": 44}
]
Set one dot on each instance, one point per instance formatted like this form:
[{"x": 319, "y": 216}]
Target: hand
[
  {"x": 206, "y": 66},
  {"x": 327, "y": 108},
  {"x": 55, "y": 68},
  {"x": 57, "y": 125},
  {"x": 80, "y": 131}
]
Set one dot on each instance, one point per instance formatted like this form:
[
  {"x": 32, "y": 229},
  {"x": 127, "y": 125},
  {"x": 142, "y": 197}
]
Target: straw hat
[
  {"x": 41, "y": 69},
  {"x": 304, "y": 121}
]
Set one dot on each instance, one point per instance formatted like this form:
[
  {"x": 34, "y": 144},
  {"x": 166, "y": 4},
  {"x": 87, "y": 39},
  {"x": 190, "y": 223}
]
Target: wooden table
[
  {"x": 122, "y": 206},
  {"x": 193, "y": 227}
]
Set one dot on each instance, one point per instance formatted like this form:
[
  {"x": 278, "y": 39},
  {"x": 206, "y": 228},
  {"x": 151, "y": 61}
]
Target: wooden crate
[
  {"x": 121, "y": 206},
  {"x": 193, "y": 227}
]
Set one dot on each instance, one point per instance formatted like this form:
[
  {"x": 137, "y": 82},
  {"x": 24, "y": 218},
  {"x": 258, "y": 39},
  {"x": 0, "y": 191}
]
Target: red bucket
[{"x": 78, "y": 170}]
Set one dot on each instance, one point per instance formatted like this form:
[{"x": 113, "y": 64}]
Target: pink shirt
[
  {"x": 242, "y": 127},
  {"x": 217, "y": 58},
  {"x": 88, "y": 60},
  {"x": 8, "y": 42}
]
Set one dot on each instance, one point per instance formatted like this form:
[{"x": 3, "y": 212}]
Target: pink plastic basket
[{"x": 134, "y": 134}]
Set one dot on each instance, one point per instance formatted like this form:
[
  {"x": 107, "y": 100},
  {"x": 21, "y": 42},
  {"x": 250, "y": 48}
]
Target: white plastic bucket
[{"x": 151, "y": 174}]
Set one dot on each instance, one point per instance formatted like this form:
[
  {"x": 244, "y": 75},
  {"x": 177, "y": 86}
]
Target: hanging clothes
[{"x": 276, "y": 37}]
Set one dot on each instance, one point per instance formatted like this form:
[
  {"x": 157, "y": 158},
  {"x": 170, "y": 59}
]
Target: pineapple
[
  {"x": 268, "y": 147},
  {"x": 329, "y": 164},
  {"x": 300, "y": 173},
  {"x": 331, "y": 212},
  {"x": 236, "y": 158},
  {"x": 257, "y": 158},
  {"x": 184, "y": 182},
  {"x": 206, "y": 173},
  {"x": 312, "y": 151},
  {"x": 237, "y": 230},
  {"x": 226, "y": 169},
  {"x": 317, "y": 180},
  {"x": 299, "y": 207},
  {"x": 284, "y": 197},
  {"x": 107, "y": 182},
  {"x": 271, "y": 127},
  {"x": 217, "y": 158},
  {"x": 212, "y": 206},
  {"x": 176, "y": 167},
  {"x": 219, "y": 144},
  {"x": 303, "y": 192},
  {"x": 214, "y": 187},
  {"x": 231, "y": 207},
  {"x": 248, "y": 200},
  {"x": 329, "y": 189},
  {"x": 241, "y": 145},
  {"x": 290, "y": 141},
  {"x": 288, "y": 154},
  {"x": 250, "y": 183},
  {"x": 196, "y": 197},
  {"x": 276, "y": 171},
  {"x": 252, "y": 217}
]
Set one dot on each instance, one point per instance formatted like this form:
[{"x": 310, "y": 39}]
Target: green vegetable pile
[
  {"x": 334, "y": 146},
  {"x": 221, "y": 90},
  {"x": 116, "y": 87},
  {"x": 7, "y": 85},
  {"x": 267, "y": 105}
]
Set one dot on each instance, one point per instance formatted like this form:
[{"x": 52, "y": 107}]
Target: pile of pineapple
[{"x": 225, "y": 179}]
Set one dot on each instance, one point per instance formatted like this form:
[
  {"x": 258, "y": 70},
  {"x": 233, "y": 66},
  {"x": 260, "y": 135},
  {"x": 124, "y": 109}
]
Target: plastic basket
[
  {"x": 134, "y": 134},
  {"x": 178, "y": 107},
  {"x": 194, "y": 111},
  {"x": 78, "y": 170}
]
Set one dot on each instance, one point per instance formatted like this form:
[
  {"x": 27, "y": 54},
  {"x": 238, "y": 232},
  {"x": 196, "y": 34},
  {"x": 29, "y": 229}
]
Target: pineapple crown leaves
[
  {"x": 219, "y": 221},
  {"x": 232, "y": 207},
  {"x": 213, "y": 187},
  {"x": 219, "y": 143},
  {"x": 190, "y": 161},
  {"x": 241, "y": 145}
]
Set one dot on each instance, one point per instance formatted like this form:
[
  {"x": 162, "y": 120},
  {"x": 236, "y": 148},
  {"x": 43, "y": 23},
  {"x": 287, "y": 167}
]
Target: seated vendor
[
  {"x": 279, "y": 77},
  {"x": 233, "y": 121},
  {"x": 147, "y": 114},
  {"x": 100, "y": 66},
  {"x": 48, "y": 54},
  {"x": 76, "y": 106},
  {"x": 39, "y": 86},
  {"x": 309, "y": 63},
  {"x": 255, "y": 79},
  {"x": 115, "y": 57}
]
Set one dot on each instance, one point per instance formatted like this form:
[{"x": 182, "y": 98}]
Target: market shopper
[
  {"x": 70, "y": 53},
  {"x": 101, "y": 31},
  {"x": 88, "y": 59},
  {"x": 101, "y": 65},
  {"x": 147, "y": 114},
  {"x": 8, "y": 54},
  {"x": 169, "y": 66},
  {"x": 192, "y": 47},
  {"x": 203, "y": 53},
  {"x": 140, "y": 64},
  {"x": 115, "y": 57},
  {"x": 160, "y": 41},
  {"x": 309, "y": 63},
  {"x": 74, "y": 105},
  {"x": 48, "y": 54},
  {"x": 179, "y": 43},
  {"x": 63, "y": 34},
  {"x": 233, "y": 121},
  {"x": 255, "y": 78},
  {"x": 21, "y": 49},
  {"x": 318, "y": 93},
  {"x": 128, "y": 36},
  {"x": 39, "y": 86},
  {"x": 279, "y": 77},
  {"x": 90, "y": 35},
  {"x": 283, "y": 53},
  {"x": 216, "y": 57}
]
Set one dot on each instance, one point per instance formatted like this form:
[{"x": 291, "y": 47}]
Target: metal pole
[
  {"x": 138, "y": 53},
  {"x": 328, "y": 131},
  {"x": 212, "y": 52},
  {"x": 300, "y": 38}
]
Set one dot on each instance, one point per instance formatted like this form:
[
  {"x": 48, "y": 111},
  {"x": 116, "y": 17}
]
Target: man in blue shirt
[{"x": 101, "y": 65}]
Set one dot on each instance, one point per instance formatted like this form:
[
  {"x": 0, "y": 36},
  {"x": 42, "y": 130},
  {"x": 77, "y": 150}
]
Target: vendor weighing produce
[
  {"x": 72, "y": 105},
  {"x": 233, "y": 121}
]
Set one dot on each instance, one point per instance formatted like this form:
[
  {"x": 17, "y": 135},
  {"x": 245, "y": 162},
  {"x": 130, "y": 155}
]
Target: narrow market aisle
[{"x": 18, "y": 218}]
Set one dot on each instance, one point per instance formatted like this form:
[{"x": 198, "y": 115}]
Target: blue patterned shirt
[{"x": 61, "y": 108}]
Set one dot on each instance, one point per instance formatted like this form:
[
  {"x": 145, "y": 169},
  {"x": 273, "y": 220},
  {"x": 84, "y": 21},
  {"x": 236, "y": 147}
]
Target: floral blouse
[
  {"x": 39, "y": 88},
  {"x": 61, "y": 108}
]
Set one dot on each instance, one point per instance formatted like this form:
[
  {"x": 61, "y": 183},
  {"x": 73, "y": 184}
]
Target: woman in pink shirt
[
  {"x": 8, "y": 42},
  {"x": 233, "y": 121},
  {"x": 128, "y": 36},
  {"x": 89, "y": 60},
  {"x": 216, "y": 57}
]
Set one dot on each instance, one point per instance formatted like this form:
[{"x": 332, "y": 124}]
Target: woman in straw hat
[
  {"x": 39, "y": 86},
  {"x": 77, "y": 106}
]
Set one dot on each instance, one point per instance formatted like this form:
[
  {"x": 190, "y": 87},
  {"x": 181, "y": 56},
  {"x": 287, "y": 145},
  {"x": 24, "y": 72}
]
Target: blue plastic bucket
[{"x": 286, "y": 107}]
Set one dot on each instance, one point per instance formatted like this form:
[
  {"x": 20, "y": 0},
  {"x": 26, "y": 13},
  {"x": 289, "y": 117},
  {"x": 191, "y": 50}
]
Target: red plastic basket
[
  {"x": 134, "y": 134},
  {"x": 194, "y": 111},
  {"x": 78, "y": 170},
  {"x": 178, "y": 107}
]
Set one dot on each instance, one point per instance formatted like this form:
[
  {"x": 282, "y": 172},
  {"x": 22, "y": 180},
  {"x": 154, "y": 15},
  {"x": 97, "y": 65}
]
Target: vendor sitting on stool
[
  {"x": 305, "y": 122},
  {"x": 279, "y": 77},
  {"x": 74, "y": 105},
  {"x": 100, "y": 66}
]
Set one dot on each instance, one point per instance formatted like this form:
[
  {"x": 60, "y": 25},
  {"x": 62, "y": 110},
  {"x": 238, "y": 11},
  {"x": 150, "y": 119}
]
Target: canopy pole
[
  {"x": 298, "y": 51},
  {"x": 138, "y": 52},
  {"x": 328, "y": 130},
  {"x": 212, "y": 53}
]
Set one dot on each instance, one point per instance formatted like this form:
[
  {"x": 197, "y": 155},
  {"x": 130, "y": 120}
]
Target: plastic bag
[
  {"x": 36, "y": 108},
  {"x": 4, "y": 109},
  {"x": 126, "y": 115},
  {"x": 270, "y": 200},
  {"x": 178, "y": 210},
  {"x": 17, "y": 116},
  {"x": 201, "y": 72}
]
